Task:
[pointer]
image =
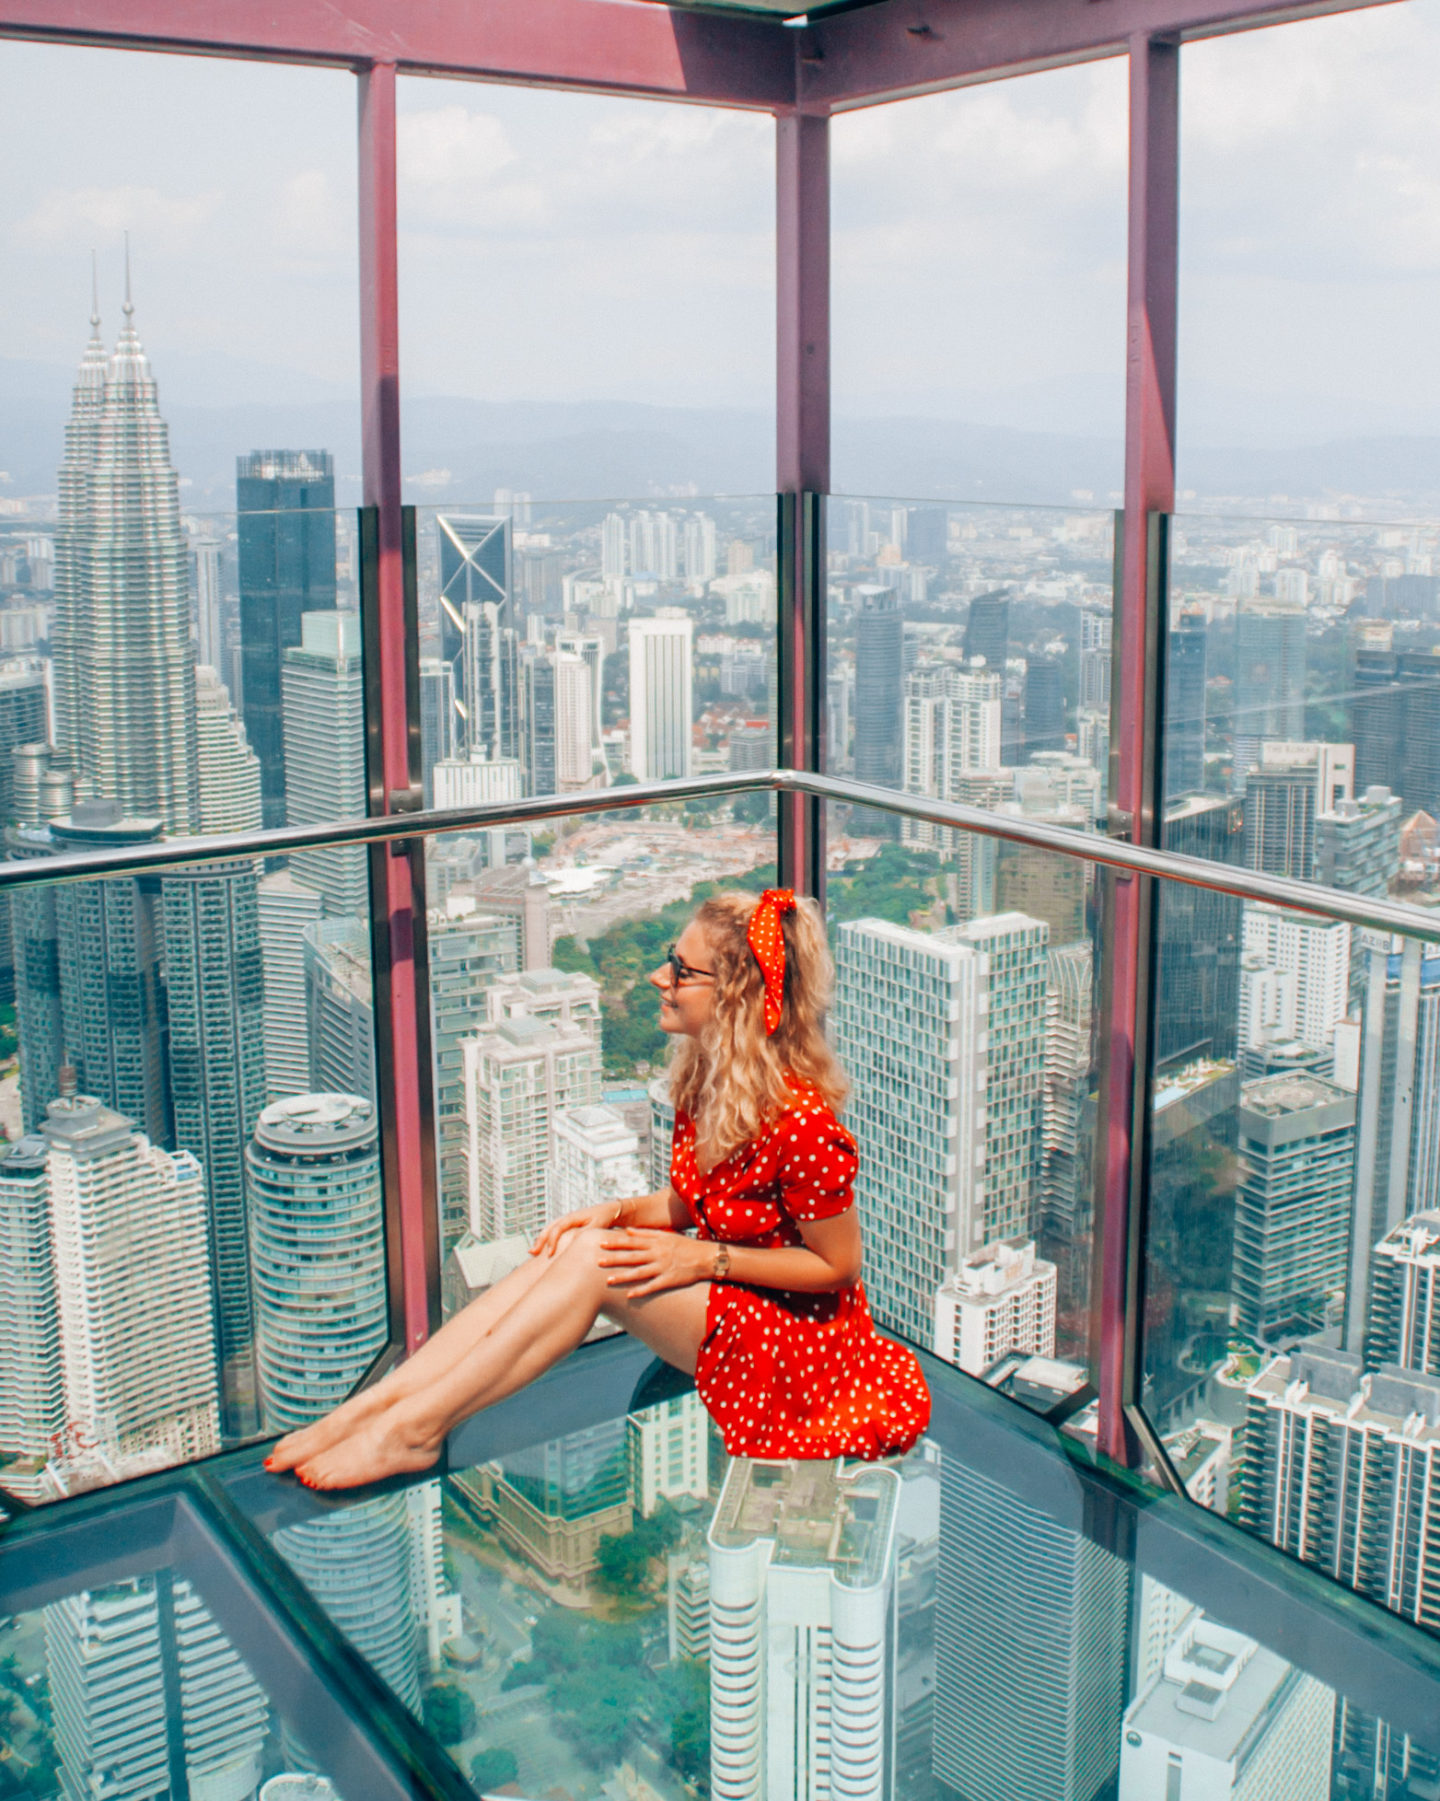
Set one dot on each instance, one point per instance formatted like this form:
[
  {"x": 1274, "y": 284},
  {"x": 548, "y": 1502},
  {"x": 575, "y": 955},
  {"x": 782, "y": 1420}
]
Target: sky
[{"x": 564, "y": 247}]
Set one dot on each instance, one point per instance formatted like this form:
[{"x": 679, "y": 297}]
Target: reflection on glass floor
[{"x": 620, "y": 1612}]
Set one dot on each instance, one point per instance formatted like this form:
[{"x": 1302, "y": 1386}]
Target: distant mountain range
[{"x": 459, "y": 451}]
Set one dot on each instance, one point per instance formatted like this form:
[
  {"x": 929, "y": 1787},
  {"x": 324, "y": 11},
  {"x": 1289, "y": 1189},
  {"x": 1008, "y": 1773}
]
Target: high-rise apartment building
[
  {"x": 1313, "y": 957},
  {"x": 1403, "y": 1326},
  {"x": 285, "y": 908},
  {"x": 215, "y": 992},
  {"x": 317, "y": 1226},
  {"x": 879, "y": 692},
  {"x": 594, "y": 1158},
  {"x": 32, "y": 1400},
  {"x": 1270, "y": 663},
  {"x": 654, "y": 545},
  {"x": 995, "y": 1301},
  {"x": 1031, "y": 1627},
  {"x": 1227, "y": 1720},
  {"x": 323, "y": 692},
  {"x": 230, "y": 782},
  {"x": 340, "y": 1006},
  {"x": 1067, "y": 1207},
  {"x": 661, "y": 703},
  {"x": 669, "y": 1447},
  {"x": 1015, "y": 947},
  {"x": 1320, "y": 1425},
  {"x": 124, "y": 666},
  {"x": 285, "y": 520},
  {"x": 538, "y": 1055},
  {"x": 908, "y": 1026},
  {"x": 1292, "y": 1203},
  {"x": 470, "y": 951},
  {"x": 207, "y": 599},
  {"x": 1044, "y": 706},
  {"x": 699, "y": 549},
  {"x": 952, "y": 732},
  {"x": 1095, "y": 659},
  {"x": 148, "y": 1696},
  {"x": 1395, "y": 716},
  {"x": 133, "y": 1285},
  {"x": 1288, "y": 787},
  {"x": 24, "y": 719},
  {"x": 802, "y": 1651},
  {"x": 439, "y": 722},
  {"x": 478, "y": 636}
]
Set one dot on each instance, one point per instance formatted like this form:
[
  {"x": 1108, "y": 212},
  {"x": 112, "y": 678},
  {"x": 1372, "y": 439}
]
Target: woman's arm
[{"x": 646, "y": 1261}]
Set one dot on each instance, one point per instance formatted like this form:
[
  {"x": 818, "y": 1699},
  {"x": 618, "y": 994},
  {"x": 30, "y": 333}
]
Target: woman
[{"x": 764, "y": 1307}]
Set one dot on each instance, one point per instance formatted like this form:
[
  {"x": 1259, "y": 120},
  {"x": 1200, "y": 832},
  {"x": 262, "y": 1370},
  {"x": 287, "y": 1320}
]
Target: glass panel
[
  {"x": 1290, "y": 1353},
  {"x": 587, "y": 294},
  {"x": 561, "y": 927},
  {"x": 1303, "y": 698},
  {"x": 964, "y": 1014},
  {"x": 979, "y": 294},
  {"x": 190, "y": 1202},
  {"x": 969, "y": 654},
  {"x": 577, "y": 645},
  {"x": 626, "y": 1597}
]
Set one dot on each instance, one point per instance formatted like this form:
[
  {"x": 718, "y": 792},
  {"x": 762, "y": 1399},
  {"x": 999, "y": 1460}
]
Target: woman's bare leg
[
  {"x": 440, "y": 1353},
  {"x": 543, "y": 1326}
]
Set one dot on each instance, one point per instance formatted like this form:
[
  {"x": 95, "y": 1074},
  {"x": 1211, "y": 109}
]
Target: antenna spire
[
  {"x": 129, "y": 304},
  {"x": 94, "y": 292}
]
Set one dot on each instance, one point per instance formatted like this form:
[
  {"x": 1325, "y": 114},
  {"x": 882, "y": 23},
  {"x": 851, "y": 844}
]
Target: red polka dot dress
[{"x": 784, "y": 1374}]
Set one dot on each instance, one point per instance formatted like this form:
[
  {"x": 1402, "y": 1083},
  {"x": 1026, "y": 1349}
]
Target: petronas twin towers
[{"x": 124, "y": 667}]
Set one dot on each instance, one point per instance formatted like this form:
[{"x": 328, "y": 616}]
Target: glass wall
[{"x": 568, "y": 646}]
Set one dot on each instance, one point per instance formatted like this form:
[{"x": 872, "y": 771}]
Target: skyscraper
[
  {"x": 661, "y": 703},
  {"x": 1067, "y": 1202},
  {"x": 952, "y": 731},
  {"x": 23, "y": 719},
  {"x": 317, "y": 1225},
  {"x": 1014, "y": 946},
  {"x": 1185, "y": 678},
  {"x": 133, "y": 1285},
  {"x": 230, "y": 785},
  {"x": 477, "y": 631},
  {"x": 1095, "y": 660},
  {"x": 987, "y": 630},
  {"x": 340, "y": 1006},
  {"x": 1269, "y": 678},
  {"x": 1044, "y": 706},
  {"x": 324, "y": 716},
  {"x": 1396, "y": 721},
  {"x": 1292, "y": 1204},
  {"x": 470, "y": 950},
  {"x": 998, "y": 1300},
  {"x": 438, "y": 719},
  {"x": 124, "y": 667},
  {"x": 1031, "y": 1625},
  {"x": 284, "y": 908},
  {"x": 1313, "y": 958},
  {"x": 214, "y": 981},
  {"x": 908, "y": 1026},
  {"x": 1289, "y": 786},
  {"x": 802, "y": 1572},
  {"x": 879, "y": 694},
  {"x": 1357, "y": 843},
  {"x": 285, "y": 518},
  {"x": 1199, "y": 933},
  {"x": 594, "y": 1158}
]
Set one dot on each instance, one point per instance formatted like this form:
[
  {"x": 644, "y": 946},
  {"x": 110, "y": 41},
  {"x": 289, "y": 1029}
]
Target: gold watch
[{"x": 722, "y": 1263}]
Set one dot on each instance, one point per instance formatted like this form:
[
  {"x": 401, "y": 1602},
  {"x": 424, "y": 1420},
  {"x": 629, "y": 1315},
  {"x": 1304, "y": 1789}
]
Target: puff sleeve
[{"x": 816, "y": 1166}]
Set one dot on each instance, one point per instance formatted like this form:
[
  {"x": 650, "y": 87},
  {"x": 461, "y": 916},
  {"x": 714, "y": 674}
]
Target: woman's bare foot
[
  {"x": 310, "y": 1440},
  {"x": 396, "y": 1443}
]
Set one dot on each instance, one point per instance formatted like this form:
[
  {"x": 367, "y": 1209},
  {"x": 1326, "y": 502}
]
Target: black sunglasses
[{"x": 680, "y": 971}]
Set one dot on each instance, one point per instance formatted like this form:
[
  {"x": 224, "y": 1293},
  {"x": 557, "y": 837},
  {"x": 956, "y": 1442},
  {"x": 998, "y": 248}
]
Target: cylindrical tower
[{"x": 317, "y": 1234}]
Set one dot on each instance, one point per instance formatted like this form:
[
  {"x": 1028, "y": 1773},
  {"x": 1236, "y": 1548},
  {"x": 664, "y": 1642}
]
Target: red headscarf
[{"x": 766, "y": 939}]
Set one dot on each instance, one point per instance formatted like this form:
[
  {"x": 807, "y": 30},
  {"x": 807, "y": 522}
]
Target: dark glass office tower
[
  {"x": 1270, "y": 664},
  {"x": 540, "y": 725},
  {"x": 987, "y": 629},
  {"x": 1185, "y": 675},
  {"x": 477, "y": 631},
  {"x": 879, "y": 679},
  {"x": 1044, "y": 706},
  {"x": 1395, "y": 717},
  {"x": 285, "y": 505},
  {"x": 1199, "y": 936},
  {"x": 926, "y": 536}
]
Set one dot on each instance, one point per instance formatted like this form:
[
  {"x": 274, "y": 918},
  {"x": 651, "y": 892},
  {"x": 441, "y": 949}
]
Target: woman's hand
[
  {"x": 607, "y": 1213},
  {"x": 648, "y": 1260}
]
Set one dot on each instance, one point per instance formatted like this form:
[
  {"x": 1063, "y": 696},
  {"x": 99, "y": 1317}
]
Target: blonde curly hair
[{"x": 731, "y": 1080}]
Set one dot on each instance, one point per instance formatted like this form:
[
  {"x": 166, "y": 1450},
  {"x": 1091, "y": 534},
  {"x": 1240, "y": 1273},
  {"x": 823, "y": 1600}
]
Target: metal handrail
[{"x": 1064, "y": 841}]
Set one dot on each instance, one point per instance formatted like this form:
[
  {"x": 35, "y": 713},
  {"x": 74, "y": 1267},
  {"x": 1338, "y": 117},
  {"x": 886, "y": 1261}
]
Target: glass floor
[{"x": 593, "y": 1603}]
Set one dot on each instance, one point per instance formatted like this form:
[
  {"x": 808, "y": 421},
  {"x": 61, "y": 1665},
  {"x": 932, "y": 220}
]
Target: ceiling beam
[
  {"x": 601, "y": 46},
  {"x": 901, "y": 47}
]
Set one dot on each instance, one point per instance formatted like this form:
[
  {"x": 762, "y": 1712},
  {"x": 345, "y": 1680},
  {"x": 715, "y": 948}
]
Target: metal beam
[
  {"x": 1149, "y": 495},
  {"x": 904, "y": 47},
  {"x": 602, "y": 46}
]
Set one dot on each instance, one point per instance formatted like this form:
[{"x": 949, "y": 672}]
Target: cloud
[
  {"x": 456, "y": 166},
  {"x": 92, "y": 214},
  {"x": 311, "y": 217}
]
